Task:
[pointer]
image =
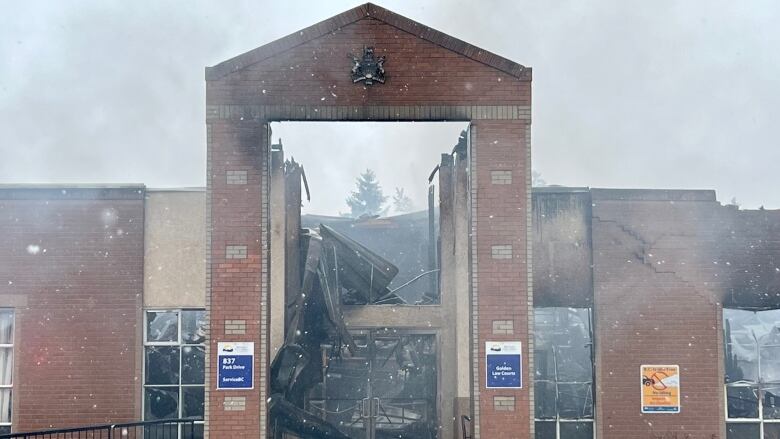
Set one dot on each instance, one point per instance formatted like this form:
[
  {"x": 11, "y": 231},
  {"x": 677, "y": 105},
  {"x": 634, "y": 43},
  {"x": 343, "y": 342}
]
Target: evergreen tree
[
  {"x": 537, "y": 180},
  {"x": 401, "y": 202},
  {"x": 367, "y": 199}
]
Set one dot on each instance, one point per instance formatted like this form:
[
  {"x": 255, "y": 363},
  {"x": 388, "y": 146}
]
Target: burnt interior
[{"x": 332, "y": 381}]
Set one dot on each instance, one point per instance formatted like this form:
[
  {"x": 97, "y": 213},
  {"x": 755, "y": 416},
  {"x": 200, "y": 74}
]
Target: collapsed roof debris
[{"x": 319, "y": 377}]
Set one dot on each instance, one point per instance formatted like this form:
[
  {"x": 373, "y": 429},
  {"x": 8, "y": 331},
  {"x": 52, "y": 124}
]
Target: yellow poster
[{"x": 660, "y": 389}]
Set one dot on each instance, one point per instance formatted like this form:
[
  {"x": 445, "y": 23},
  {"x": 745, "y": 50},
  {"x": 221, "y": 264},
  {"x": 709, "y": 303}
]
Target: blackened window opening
[
  {"x": 563, "y": 373},
  {"x": 752, "y": 378}
]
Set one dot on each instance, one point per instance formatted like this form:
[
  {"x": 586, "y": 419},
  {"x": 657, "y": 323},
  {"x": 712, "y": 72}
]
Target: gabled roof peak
[{"x": 358, "y": 13}]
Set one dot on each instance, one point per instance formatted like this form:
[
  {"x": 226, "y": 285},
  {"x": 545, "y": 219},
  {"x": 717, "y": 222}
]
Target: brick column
[
  {"x": 237, "y": 182},
  {"x": 500, "y": 262}
]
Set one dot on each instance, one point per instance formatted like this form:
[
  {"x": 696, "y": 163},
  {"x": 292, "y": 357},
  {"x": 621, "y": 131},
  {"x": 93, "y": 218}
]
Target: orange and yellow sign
[{"x": 660, "y": 389}]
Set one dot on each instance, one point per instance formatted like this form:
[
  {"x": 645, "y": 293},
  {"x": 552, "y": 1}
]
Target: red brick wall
[
  {"x": 502, "y": 292},
  {"x": 77, "y": 343},
  {"x": 664, "y": 264},
  {"x": 236, "y": 217},
  {"x": 312, "y": 73},
  {"x": 419, "y": 73}
]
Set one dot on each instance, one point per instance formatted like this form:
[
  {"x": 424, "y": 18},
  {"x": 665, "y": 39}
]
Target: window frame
[
  {"x": 12, "y": 371},
  {"x": 558, "y": 420},
  {"x": 759, "y": 385},
  {"x": 180, "y": 345}
]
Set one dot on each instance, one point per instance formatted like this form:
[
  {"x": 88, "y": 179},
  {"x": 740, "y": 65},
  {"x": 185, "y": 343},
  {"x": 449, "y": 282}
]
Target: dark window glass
[
  {"x": 193, "y": 324},
  {"x": 6, "y": 326},
  {"x": 576, "y": 430},
  {"x": 742, "y": 402},
  {"x": 544, "y": 394},
  {"x": 575, "y": 401},
  {"x": 161, "y": 403},
  {"x": 544, "y": 364},
  {"x": 6, "y": 366},
  {"x": 162, "y": 326},
  {"x": 174, "y": 371},
  {"x": 770, "y": 364},
  {"x": 748, "y": 334},
  {"x": 741, "y": 362},
  {"x": 563, "y": 355},
  {"x": 162, "y": 365},
  {"x": 193, "y": 402},
  {"x": 193, "y": 364},
  {"x": 771, "y": 430},
  {"x": 544, "y": 430},
  {"x": 5, "y": 405},
  {"x": 188, "y": 433},
  {"x": 771, "y": 402},
  {"x": 743, "y": 431},
  {"x": 573, "y": 361}
]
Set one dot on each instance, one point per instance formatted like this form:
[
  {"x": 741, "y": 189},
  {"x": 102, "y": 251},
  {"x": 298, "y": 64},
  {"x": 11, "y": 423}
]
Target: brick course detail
[
  {"x": 503, "y": 327},
  {"x": 234, "y": 403},
  {"x": 503, "y": 251},
  {"x": 236, "y": 177},
  {"x": 235, "y": 252},
  {"x": 501, "y": 177},
  {"x": 504, "y": 403},
  {"x": 235, "y": 327}
]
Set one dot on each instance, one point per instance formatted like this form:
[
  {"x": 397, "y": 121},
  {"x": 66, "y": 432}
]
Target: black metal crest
[{"x": 368, "y": 68}]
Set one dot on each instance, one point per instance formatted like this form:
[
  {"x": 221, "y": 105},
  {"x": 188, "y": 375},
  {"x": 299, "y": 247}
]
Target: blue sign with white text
[
  {"x": 504, "y": 365},
  {"x": 235, "y": 366}
]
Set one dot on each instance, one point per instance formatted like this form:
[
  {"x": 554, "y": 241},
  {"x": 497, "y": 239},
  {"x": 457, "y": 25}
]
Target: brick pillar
[
  {"x": 500, "y": 270},
  {"x": 237, "y": 269}
]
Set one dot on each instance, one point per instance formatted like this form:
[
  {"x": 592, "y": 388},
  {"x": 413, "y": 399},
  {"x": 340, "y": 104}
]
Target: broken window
[
  {"x": 174, "y": 367},
  {"x": 563, "y": 375},
  {"x": 6, "y": 368},
  {"x": 388, "y": 385},
  {"x": 752, "y": 363}
]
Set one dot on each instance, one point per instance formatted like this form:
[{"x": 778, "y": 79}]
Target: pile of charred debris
[
  {"x": 329, "y": 382},
  {"x": 318, "y": 376}
]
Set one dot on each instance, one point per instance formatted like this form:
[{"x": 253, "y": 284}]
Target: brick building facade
[
  {"x": 84, "y": 271},
  {"x": 593, "y": 282}
]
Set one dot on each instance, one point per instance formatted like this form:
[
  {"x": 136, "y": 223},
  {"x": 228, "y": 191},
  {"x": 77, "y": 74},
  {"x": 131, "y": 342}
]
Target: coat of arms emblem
[{"x": 368, "y": 68}]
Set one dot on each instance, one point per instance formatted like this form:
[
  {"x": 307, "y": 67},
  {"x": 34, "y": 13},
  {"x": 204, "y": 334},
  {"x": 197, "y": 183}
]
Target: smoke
[
  {"x": 334, "y": 154},
  {"x": 626, "y": 94}
]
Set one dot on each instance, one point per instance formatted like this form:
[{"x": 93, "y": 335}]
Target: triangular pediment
[{"x": 364, "y": 11}]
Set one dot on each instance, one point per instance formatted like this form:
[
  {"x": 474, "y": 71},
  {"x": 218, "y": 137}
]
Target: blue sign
[
  {"x": 504, "y": 361},
  {"x": 235, "y": 365}
]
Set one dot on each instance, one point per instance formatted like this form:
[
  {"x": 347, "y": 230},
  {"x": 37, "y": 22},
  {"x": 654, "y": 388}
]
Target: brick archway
[{"x": 430, "y": 77}]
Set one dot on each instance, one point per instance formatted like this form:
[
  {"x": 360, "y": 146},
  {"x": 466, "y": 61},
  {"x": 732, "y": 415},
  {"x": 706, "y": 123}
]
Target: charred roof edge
[
  {"x": 654, "y": 194},
  {"x": 72, "y": 192}
]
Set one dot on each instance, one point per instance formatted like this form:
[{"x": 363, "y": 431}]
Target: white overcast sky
[{"x": 661, "y": 94}]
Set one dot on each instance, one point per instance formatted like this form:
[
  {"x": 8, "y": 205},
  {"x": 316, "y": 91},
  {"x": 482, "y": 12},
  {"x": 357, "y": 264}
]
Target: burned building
[
  {"x": 500, "y": 312},
  {"x": 622, "y": 278}
]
